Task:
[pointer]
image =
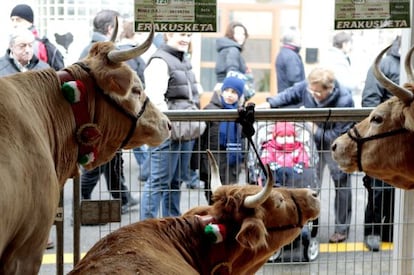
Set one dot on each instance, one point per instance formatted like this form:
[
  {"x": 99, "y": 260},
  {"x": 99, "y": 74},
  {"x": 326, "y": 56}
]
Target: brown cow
[
  {"x": 382, "y": 144},
  {"x": 254, "y": 222},
  {"x": 44, "y": 135}
]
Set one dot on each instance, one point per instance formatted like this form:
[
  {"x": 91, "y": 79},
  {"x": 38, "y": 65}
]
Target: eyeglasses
[
  {"x": 324, "y": 92},
  {"x": 22, "y": 46}
]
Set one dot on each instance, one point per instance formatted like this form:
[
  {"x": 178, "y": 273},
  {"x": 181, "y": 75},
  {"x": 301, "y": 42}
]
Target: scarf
[{"x": 230, "y": 137}]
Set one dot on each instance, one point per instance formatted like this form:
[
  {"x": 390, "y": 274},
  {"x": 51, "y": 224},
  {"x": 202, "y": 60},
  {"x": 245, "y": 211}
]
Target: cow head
[
  {"x": 381, "y": 144},
  {"x": 258, "y": 220},
  {"x": 116, "y": 100}
]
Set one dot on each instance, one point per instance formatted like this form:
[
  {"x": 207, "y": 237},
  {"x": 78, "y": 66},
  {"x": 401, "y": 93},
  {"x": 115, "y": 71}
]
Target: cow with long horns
[
  {"x": 236, "y": 235},
  {"x": 52, "y": 122},
  {"x": 382, "y": 144}
]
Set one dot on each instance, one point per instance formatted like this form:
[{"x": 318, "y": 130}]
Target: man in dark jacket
[
  {"x": 379, "y": 214},
  {"x": 289, "y": 65},
  {"x": 321, "y": 90},
  {"x": 103, "y": 27}
]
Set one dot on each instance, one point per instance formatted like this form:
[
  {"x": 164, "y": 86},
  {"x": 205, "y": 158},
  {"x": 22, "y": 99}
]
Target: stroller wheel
[
  {"x": 311, "y": 251},
  {"x": 275, "y": 256}
]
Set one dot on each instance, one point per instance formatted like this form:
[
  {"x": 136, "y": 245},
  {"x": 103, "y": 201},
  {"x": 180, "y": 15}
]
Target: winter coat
[
  {"x": 289, "y": 67},
  {"x": 96, "y": 37},
  {"x": 374, "y": 93},
  {"x": 339, "y": 63},
  {"x": 229, "y": 58},
  {"x": 182, "y": 79}
]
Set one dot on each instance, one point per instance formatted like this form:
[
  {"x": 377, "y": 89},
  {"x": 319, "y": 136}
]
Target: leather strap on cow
[
  {"x": 361, "y": 140},
  {"x": 289, "y": 226}
]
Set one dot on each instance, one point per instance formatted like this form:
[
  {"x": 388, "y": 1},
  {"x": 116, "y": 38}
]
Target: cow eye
[
  {"x": 136, "y": 90},
  {"x": 377, "y": 119}
]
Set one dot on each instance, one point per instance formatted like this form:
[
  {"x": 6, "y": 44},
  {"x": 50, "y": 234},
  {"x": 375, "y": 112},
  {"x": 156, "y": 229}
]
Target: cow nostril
[
  {"x": 315, "y": 194},
  {"x": 333, "y": 147},
  {"x": 169, "y": 126}
]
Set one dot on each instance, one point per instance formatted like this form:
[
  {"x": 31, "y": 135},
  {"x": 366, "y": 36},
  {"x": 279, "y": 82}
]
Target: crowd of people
[{"x": 168, "y": 76}]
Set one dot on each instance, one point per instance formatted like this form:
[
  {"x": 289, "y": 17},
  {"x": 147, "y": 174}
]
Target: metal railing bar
[{"x": 315, "y": 114}]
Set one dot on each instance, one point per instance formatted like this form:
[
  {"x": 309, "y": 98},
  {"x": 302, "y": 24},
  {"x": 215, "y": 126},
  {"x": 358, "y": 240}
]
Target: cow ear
[
  {"x": 252, "y": 234},
  {"x": 120, "y": 81}
]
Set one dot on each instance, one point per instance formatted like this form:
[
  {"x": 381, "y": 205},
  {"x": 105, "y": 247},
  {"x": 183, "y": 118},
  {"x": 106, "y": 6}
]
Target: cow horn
[
  {"x": 255, "y": 200},
  {"x": 117, "y": 56},
  {"x": 402, "y": 93},
  {"x": 115, "y": 32},
  {"x": 215, "y": 181},
  {"x": 408, "y": 67}
]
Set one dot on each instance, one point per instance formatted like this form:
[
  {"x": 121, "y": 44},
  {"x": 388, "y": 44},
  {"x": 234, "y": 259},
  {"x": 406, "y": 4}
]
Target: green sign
[
  {"x": 372, "y": 14},
  {"x": 176, "y": 15}
]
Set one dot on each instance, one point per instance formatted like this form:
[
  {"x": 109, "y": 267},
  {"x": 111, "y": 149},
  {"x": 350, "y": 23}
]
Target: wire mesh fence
[{"x": 313, "y": 253}]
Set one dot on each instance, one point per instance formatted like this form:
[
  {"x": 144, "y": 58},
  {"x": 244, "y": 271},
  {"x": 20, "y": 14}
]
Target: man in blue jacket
[{"x": 322, "y": 90}]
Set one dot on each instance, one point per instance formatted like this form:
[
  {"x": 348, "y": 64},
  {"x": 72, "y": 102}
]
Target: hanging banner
[
  {"x": 372, "y": 14},
  {"x": 176, "y": 15}
]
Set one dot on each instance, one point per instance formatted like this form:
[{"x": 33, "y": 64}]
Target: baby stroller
[{"x": 288, "y": 173}]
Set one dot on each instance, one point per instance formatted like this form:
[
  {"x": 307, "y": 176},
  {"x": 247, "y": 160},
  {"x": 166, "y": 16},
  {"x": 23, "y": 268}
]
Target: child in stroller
[
  {"x": 291, "y": 153},
  {"x": 286, "y": 155}
]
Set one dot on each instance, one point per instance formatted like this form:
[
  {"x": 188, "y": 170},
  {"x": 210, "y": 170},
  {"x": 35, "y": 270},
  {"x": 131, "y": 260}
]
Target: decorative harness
[
  {"x": 361, "y": 140},
  {"x": 87, "y": 132}
]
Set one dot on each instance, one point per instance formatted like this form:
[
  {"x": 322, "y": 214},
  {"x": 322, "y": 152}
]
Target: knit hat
[
  {"x": 23, "y": 11},
  {"x": 284, "y": 129},
  {"x": 235, "y": 83}
]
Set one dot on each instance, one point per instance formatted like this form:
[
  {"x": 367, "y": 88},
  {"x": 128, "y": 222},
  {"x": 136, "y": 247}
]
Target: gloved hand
[
  {"x": 246, "y": 119},
  {"x": 298, "y": 168},
  {"x": 274, "y": 166}
]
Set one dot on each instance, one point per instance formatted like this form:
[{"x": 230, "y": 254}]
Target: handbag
[{"x": 185, "y": 130}]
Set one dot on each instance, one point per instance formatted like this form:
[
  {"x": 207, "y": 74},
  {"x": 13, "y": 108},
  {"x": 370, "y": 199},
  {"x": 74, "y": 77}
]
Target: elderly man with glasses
[{"x": 19, "y": 56}]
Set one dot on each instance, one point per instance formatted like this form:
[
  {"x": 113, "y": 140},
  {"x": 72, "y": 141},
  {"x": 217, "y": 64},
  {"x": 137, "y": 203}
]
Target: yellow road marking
[
  {"x": 323, "y": 248},
  {"x": 349, "y": 247},
  {"x": 51, "y": 258}
]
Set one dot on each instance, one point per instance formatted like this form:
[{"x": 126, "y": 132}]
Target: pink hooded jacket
[{"x": 284, "y": 154}]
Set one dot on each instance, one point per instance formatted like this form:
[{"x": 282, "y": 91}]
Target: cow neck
[
  {"x": 87, "y": 133},
  {"x": 290, "y": 226}
]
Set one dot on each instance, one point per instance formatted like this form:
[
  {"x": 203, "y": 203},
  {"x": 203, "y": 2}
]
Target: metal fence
[{"x": 349, "y": 257}]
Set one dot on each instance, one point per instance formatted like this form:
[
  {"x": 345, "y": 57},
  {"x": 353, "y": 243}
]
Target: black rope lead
[
  {"x": 368, "y": 185},
  {"x": 246, "y": 120}
]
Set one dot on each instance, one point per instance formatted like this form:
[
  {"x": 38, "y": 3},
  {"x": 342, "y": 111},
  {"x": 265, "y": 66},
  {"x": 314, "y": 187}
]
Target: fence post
[
  {"x": 59, "y": 235},
  {"x": 76, "y": 220}
]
